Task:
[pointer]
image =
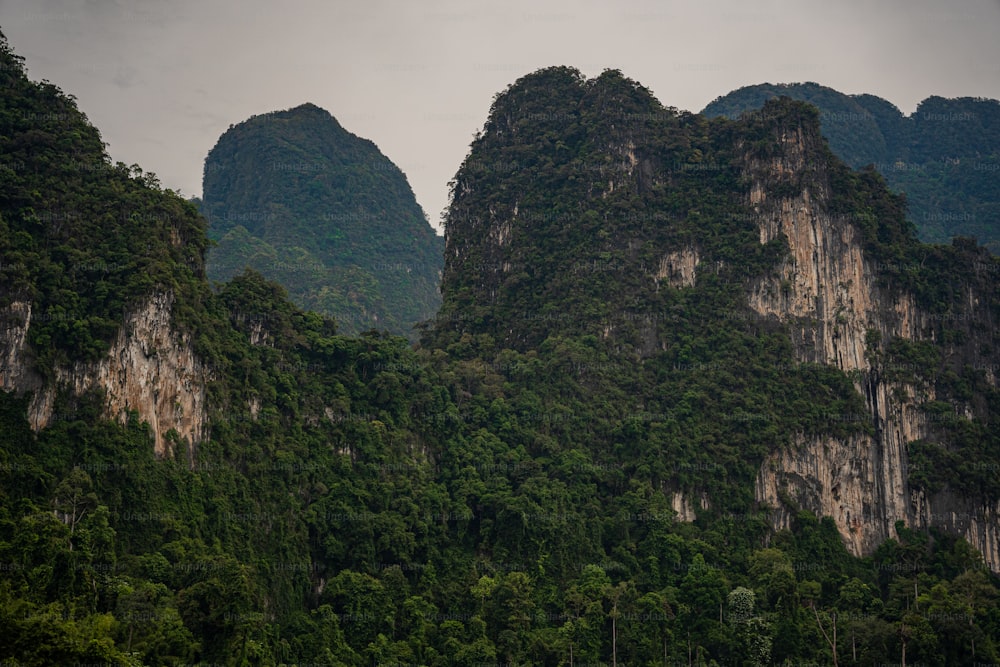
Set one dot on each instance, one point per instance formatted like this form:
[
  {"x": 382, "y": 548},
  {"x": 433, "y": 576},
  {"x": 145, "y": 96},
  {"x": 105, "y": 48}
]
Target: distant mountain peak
[{"x": 295, "y": 196}]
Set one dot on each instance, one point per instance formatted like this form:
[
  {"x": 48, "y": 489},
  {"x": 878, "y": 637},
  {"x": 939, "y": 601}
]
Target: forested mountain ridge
[
  {"x": 93, "y": 252},
  {"x": 298, "y": 198},
  {"x": 746, "y": 251},
  {"x": 944, "y": 157},
  {"x": 479, "y": 499}
]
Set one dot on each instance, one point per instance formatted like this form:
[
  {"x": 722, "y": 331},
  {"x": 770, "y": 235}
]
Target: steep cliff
[
  {"x": 606, "y": 448},
  {"x": 571, "y": 191},
  {"x": 833, "y": 295},
  {"x": 944, "y": 155},
  {"x": 101, "y": 272},
  {"x": 150, "y": 369}
]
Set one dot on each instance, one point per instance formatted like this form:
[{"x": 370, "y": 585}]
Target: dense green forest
[
  {"x": 296, "y": 197},
  {"x": 945, "y": 156},
  {"x": 480, "y": 498}
]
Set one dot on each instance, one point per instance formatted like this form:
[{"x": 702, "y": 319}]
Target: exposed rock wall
[
  {"x": 851, "y": 481},
  {"x": 150, "y": 369},
  {"x": 16, "y": 367},
  {"x": 678, "y": 268},
  {"x": 827, "y": 293},
  {"x": 826, "y": 287},
  {"x": 684, "y": 508}
]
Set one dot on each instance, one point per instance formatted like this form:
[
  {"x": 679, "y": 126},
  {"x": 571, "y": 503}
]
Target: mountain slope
[
  {"x": 944, "y": 156},
  {"x": 298, "y": 198},
  {"x": 180, "y": 469},
  {"x": 90, "y": 251}
]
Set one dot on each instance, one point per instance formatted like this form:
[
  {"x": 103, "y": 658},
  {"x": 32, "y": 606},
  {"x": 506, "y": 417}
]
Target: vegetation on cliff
[
  {"x": 945, "y": 156},
  {"x": 81, "y": 238}
]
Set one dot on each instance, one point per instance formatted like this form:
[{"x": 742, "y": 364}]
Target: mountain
[
  {"x": 295, "y": 196},
  {"x": 944, "y": 157},
  {"x": 702, "y": 260},
  {"x": 192, "y": 475}
]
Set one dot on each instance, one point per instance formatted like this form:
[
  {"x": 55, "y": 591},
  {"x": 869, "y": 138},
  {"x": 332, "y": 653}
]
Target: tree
[
  {"x": 73, "y": 498},
  {"x": 483, "y": 589},
  {"x": 858, "y": 605},
  {"x": 584, "y": 601},
  {"x": 977, "y": 596},
  {"x": 364, "y": 607},
  {"x": 772, "y": 573},
  {"x": 514, "y": 606},
  {"x": 615, "y": 594},
  {"x": 751, "y": 630},
  {"x": 703, "y": 590},
  {"x": 810, "y": 594}
]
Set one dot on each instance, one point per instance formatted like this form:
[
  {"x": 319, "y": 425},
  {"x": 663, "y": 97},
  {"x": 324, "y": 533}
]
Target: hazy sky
[{"x": 163, "y": 79}]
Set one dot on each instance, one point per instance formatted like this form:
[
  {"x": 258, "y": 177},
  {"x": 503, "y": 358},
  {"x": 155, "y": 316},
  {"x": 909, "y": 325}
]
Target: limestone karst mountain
[
  {"x": 296, "y": 197},
  {"x": 675, "y": 243},
  {"x": 677, "y": 376}
]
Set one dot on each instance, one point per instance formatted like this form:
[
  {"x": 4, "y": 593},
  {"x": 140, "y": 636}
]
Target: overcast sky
[{"x": 163, "y": 79}]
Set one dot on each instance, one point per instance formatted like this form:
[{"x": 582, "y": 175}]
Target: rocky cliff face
[
  {"x": 16, "y": 371},
  {"x": 150, "y": 369},
  {"x": 828, "y": 293},
  {"x": 827, "y": 287},
  {"x": 678, "y": 268}
]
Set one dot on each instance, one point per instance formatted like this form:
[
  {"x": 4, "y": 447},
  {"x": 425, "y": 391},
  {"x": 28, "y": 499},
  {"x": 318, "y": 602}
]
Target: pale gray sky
[{"x": 163, "y": 79}]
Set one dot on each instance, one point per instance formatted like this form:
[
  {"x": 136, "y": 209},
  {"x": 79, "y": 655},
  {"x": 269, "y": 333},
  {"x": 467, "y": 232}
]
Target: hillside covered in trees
[
  {"x": 945, "y": 156},
  {"x": 296, "y": 197},
  {"x": 501, "y": 493}
]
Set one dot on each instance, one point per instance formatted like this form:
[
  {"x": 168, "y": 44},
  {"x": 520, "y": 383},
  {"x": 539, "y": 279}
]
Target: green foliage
[
  {"x": 301, "y": 200},
  {"x": 852, "y": 124},
  {"x": 81, "y": 238}
]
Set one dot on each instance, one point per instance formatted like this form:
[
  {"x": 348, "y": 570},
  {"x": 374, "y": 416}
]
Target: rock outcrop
[
  {"x": 678, "y": 268},
  {"x": 827, "y": 292},
  {"x": 150, "y": 369}
]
